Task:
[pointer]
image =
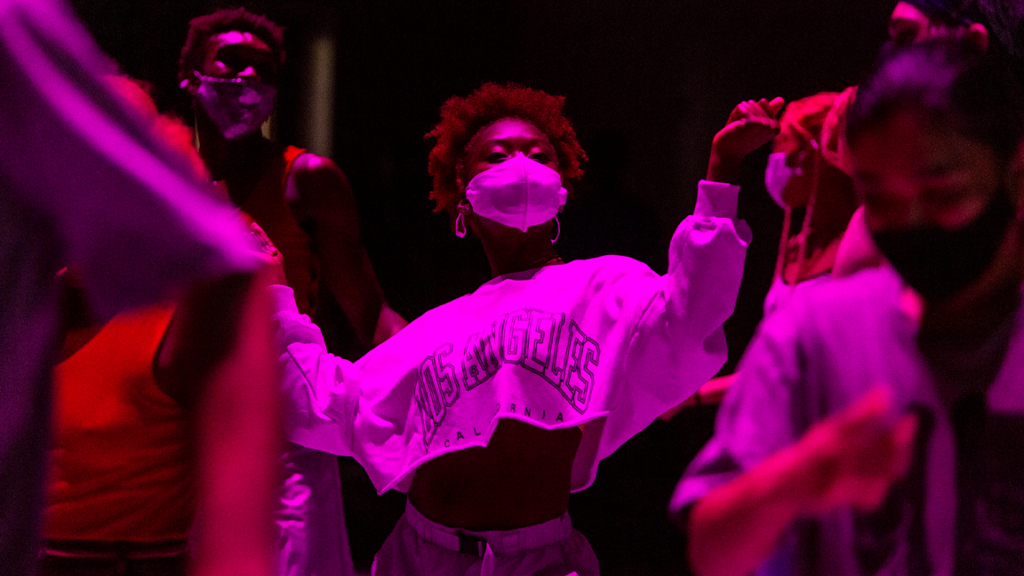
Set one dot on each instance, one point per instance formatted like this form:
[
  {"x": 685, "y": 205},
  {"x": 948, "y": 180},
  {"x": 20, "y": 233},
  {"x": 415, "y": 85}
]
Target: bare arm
[
  {"x": 711, "y": 392},
  {"x": 848, "y": 459},
  {"x": 319, "y": 193},
  {"x": 219, "y": 357}
]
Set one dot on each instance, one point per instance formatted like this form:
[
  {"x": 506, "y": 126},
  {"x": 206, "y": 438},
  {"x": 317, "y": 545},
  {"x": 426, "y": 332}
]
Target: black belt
[
  {"x": 113, "y": 550},
  {"x": 473, "y": 545}
]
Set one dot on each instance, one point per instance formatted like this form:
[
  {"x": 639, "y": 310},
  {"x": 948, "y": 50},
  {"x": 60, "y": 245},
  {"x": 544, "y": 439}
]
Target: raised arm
[
  {"x": 322, "y": 200},
  {"x": 218, "y": 359},
  {"x": 752, "y": 124},
  {"x": 706, "y": 257},
  {"x": 676, "y": 340}
]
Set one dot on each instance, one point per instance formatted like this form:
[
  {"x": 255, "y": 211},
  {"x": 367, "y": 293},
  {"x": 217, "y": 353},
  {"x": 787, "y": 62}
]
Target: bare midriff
[{"x": 520, "y": 479}]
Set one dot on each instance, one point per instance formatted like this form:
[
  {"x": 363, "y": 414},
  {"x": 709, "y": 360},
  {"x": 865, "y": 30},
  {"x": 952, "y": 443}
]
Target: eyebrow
[
  {"x": 245, "y": 49},
  {"x": 510, "y": 139},
  {"x": 901, "y": 20}
]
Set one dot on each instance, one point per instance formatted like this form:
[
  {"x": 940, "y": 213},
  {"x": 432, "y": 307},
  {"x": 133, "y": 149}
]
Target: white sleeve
[
  {"x": 677, "y": 342},
  {"x": 319, "y": 390}
]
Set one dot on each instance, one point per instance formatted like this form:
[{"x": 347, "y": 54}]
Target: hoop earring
[
  {"x": 558, "y": 230},
  {"x": 460, "y": 222}
]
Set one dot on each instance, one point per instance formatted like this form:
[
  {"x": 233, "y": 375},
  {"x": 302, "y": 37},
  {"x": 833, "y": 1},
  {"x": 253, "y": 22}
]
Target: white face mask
[
  {"x": 237, "y": 106},
  {"x": 777, "y": 176},
  {"x": 518, "y": 193}
]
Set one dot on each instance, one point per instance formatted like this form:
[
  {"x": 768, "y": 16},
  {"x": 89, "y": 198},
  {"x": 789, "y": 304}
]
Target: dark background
[{"x": 647, "y": 84}]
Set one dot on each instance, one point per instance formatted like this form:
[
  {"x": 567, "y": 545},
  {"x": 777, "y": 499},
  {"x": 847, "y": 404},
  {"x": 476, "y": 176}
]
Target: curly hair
[
  {"x": 463, "y": 118},
  {"x": 202, "y": 28}
]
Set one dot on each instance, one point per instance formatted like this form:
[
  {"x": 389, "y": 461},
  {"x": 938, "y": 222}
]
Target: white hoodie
[{"x": 605, "y": 342}]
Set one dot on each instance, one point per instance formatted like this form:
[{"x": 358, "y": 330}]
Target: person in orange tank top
[
  {"x": 230, "y": 66},
  {"x": 148, "y": 429}
]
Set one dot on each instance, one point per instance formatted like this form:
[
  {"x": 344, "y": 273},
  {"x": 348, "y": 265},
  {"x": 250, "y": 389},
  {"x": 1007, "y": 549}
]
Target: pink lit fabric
[
  {"x": 605, "y": 342},
  {"x": 126, "y": 206},
  {"x": 420, "y": 546},
  {"x": 81, "y": 182},
  {"x": 819, "y": 354}
]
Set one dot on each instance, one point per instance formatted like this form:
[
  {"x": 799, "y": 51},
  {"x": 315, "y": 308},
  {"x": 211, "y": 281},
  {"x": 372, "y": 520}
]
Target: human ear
[
  {"x": 459, "y": 181},
  {"x": 191, "y": 84},
  {"x": 977, "y": 36}
]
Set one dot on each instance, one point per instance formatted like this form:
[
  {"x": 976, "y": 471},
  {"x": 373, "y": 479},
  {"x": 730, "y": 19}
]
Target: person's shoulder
[
  {"x": 310, "y": 164},
  {"x": 607, "y": 266},
  {"x": 316, "y": 182},
  {"x": 595, "y": 274},
  {"x": 871, "y": 286},
  {"x": 871, "y": 292}
]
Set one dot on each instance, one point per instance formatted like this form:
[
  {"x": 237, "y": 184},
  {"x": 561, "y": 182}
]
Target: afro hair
[
  {"x": 462, "y": 118},
  {"x": 202, "y": 28}
]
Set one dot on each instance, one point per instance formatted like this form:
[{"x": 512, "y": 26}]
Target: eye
[
  {"x": 904, "y": 33},
  {"x": 496, "y": 157},
  {"x": 229, "y": 59},
  {"x": 539, "y": 157}
]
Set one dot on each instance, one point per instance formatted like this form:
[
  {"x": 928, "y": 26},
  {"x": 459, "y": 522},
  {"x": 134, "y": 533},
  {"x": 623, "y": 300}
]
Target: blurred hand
[
  {"x": 270, "y": 254},
  {"x": 856, "y": 455}
]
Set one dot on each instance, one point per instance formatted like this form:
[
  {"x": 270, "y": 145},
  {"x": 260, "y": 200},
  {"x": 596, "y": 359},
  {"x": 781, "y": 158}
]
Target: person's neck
[
  {"x": 533, "y": 251},
  {"x": 229, "y": 159}
]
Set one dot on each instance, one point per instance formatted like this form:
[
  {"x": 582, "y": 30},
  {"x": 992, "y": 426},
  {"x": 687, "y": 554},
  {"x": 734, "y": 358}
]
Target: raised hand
[{"x": 751, "y": 124}]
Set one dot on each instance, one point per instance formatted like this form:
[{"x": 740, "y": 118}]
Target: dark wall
[
  {"x": 648, "y": 83},
  {"x": 647, "y": 86}
]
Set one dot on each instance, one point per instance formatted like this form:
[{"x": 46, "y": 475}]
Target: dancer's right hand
[{"x": 751, "y": 124}]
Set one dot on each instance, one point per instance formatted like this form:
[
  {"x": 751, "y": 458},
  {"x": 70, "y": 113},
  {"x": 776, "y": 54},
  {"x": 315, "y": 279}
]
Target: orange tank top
[
  {"x": 121, "y": 464},
  {"x": 269, "y": 208}
]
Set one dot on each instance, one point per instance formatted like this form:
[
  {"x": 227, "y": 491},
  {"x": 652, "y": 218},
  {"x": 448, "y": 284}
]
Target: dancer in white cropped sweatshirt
[{"x": 490, "y": 409}]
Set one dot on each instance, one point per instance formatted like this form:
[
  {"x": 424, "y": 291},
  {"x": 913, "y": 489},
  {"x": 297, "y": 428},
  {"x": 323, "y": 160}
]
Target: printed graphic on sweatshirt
[{"x": 541, "y": 342}]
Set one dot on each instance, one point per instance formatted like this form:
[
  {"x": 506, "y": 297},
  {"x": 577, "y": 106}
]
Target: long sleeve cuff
[
  {"x": 283, "y": 298},
  {"x": 716, "y": 199}
]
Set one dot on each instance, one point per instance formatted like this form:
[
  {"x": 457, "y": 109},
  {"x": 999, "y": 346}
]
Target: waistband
[
  {"x": 113, "y": 550},
  {"x": 498, "y": 541}
]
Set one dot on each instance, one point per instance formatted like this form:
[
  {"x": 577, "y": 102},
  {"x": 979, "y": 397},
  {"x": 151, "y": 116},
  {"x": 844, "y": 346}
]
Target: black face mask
[{"x": 937, "y": 262}]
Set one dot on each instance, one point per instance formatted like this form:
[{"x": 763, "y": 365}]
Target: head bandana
[{"x": 834, "y": 147}]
